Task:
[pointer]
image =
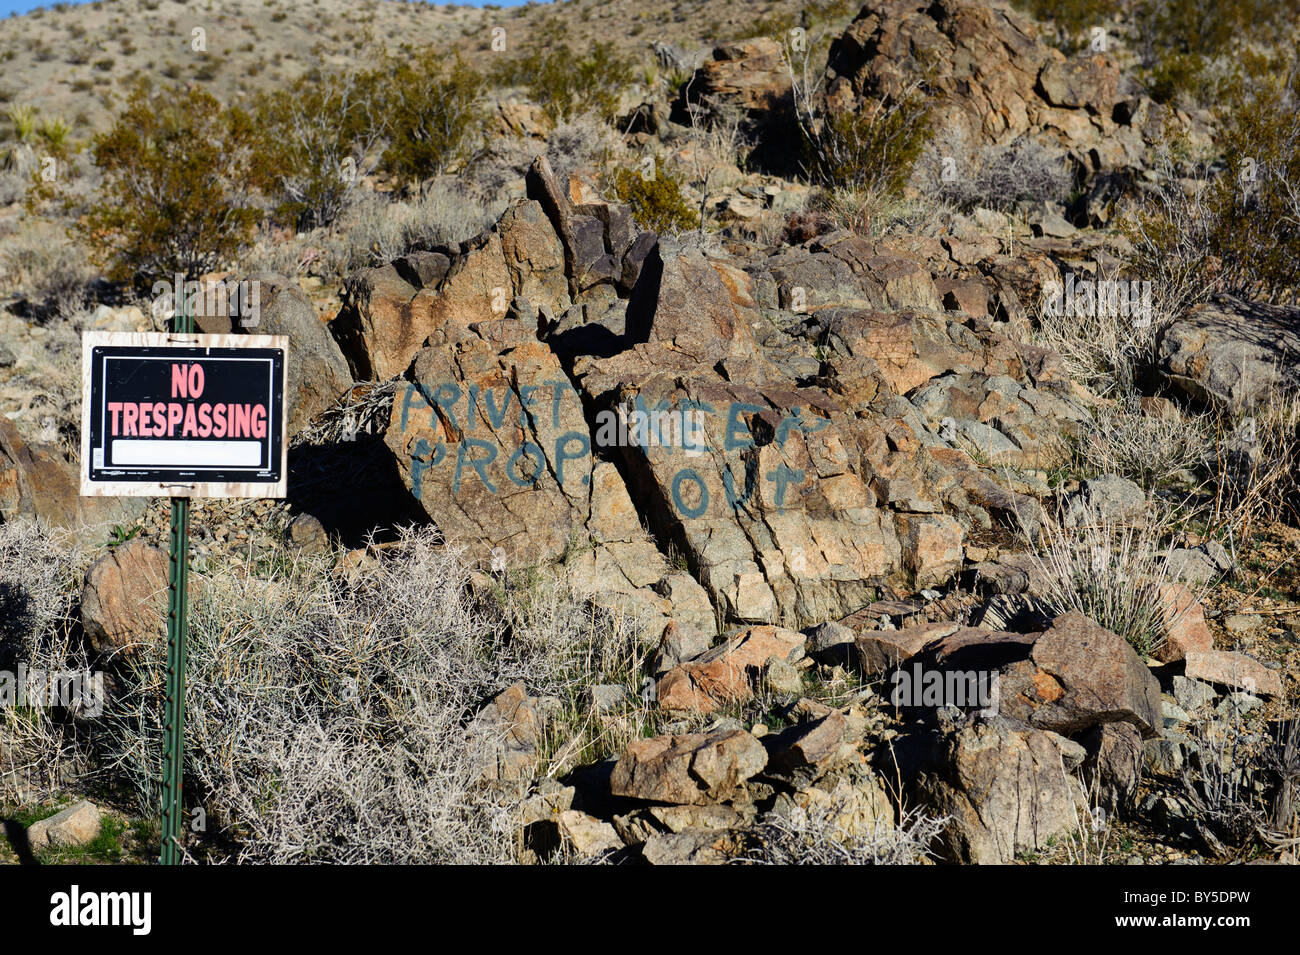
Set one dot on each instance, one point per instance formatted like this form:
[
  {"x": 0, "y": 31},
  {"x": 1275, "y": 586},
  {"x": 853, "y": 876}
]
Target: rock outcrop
[
  {"x": 1230, "y": 354},
  {"x": 804, "y": 428},
  {"x": 38, "y": 481},
  {"x": 1000, "y": 83}
]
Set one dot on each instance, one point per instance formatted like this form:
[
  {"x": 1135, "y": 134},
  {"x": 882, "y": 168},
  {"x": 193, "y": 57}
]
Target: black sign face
[{"x": 171, "y": 415}]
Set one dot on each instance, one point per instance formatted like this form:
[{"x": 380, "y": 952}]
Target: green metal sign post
[
  {"x": 179, "y": 415},
  {"x": 177, "y": 631},
  {"x": 174, "y": 694}
]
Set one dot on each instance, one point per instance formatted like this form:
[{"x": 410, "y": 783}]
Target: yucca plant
[
  {"x": 1112, "y": 572},
  {"x": 23, "y": 119},
  {"x": 54, "y": 132}
]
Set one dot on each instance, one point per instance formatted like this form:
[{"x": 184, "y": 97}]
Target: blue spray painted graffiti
[{"x": 526, "y": 465}]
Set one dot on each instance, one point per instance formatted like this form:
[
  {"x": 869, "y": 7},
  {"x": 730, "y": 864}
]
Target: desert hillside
[
  {"x": 75, "y": 60},
  {"x": 718, "y": 432}
]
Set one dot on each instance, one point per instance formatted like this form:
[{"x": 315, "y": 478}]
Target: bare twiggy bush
[
  {"x": 51, "y": 271},
  {"x": 39, "y": 747},
  {"x": 1225, "y": 807},
  {"x": 1090, "y": 841},
  {"x": 1107, "y": 349},
  {"x": 995, "y": 177},
  {"x": 816, "y": 836},
  {"x": 582, "y": 143},
  {"x": 1281, "y": 762},
  {"x": 1111, "y": 572},
  {"x": 1256, "y": 465},
  {"x": 717, "y": 144},
  {"x": 327, "y": 712},
  {"x": 293, "y": 256},
  {"x": 1152, "y": 450}
]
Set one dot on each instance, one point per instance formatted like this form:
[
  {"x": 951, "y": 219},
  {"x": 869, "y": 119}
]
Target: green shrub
[
  {"x": 1239, "y": 230},
  {"x": 436, "y": 120},
  {"x": 22, "y": 118},
  {"x": 1256, "y": 224},
  {"x": 657, "y": 204},
  {"x": 874, "y": 146},
  {"x": 320, "y": 134},
  {"x": 54, "y": 133},
  {"x": 178, "y": 175},
  {"x": 1182, "y": 45},
  {"x": 566, "y": 83}
]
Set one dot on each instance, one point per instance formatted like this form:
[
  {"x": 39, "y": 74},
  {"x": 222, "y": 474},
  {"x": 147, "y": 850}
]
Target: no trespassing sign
[{"x": 172, "y": 415}]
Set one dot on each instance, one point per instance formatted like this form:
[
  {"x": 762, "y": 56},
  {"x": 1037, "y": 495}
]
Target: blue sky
[{"x": 23, "y": 6}]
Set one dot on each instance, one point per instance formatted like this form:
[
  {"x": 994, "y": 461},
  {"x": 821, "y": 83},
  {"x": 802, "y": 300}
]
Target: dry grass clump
[
  {"x": 51, "y": 272},
  {"x": 1151, "y": 450},
  {"x": 593, "y": 646},
  {"x": 445, "y": 214},
  {"x": 1171, "y": 229},
  {"x": 375, "y": 228},
  {"x": 1255, "y": 462},
  {"x": 39, "y": 746},
  {"x": 818, "y": 836},
  {"x": 873, "y": 211},
  {"x": 328, "y": 711},
  {"x": 1104, "y": 349}
]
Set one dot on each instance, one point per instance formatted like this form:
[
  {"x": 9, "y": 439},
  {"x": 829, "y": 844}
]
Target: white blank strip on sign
[{"x": 232, "y": 454}]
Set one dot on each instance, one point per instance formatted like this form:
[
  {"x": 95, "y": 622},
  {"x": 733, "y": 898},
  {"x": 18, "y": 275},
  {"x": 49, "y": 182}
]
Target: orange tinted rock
[
  {"x": 124, "y": 600},
  {"x": 1185, "y": 618},
  {"x": 727, "y": 673}
]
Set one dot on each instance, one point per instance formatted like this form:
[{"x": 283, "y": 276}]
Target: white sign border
[{"x": 229, "y": 489}]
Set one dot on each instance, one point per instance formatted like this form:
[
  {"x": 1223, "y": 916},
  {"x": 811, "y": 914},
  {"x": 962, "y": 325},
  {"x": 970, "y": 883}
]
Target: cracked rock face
[
  {"x": 1005, "y": 790},
  {"x": 797, "y": 430},
  {"x": 693, "y": 769},
  {"x": 1000, "y": 84}
]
